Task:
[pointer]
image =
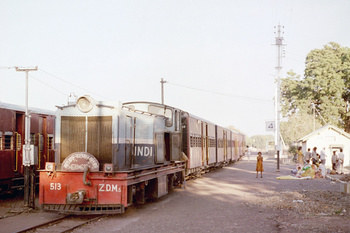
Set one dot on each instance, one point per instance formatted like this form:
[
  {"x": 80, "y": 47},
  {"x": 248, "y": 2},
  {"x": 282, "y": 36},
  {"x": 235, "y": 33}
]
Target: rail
[{"x": 66, "y": 223}]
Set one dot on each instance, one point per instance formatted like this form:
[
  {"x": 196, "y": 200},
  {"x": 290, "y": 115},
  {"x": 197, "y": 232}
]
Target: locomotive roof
[{"x": 23, "y": 109}]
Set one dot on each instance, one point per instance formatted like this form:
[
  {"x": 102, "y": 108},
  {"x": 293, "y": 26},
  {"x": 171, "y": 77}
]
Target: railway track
[{"x": 67, "y": 223}]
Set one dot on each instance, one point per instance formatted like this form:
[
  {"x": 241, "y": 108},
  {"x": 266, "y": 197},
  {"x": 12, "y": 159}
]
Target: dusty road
[{"x": 233, "y": 200}]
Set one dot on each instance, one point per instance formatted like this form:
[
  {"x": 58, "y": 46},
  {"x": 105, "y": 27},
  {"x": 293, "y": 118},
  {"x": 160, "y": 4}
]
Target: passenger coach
[{"x": 12, "y": 136}]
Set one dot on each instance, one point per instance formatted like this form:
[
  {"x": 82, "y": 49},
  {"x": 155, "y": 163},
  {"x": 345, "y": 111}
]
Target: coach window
[
  {"x": 8, "y": 141},
  {"x": 50, "y": 141},
  {"x": 32, "y": 139}
]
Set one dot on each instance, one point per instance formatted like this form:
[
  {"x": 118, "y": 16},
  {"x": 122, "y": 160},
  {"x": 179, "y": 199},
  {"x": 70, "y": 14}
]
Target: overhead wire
[
  {"x": 37, "y": 79},
  {"x": 6, "y": 67},
  {"x": 218, "y": 93},
  {"x": 54, "y": 76}
]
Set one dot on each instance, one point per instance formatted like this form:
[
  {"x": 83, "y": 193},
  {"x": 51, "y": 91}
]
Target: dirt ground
[{"x": 226, "y": 200}]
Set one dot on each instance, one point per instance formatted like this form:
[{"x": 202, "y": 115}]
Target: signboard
[{"x": 270, "y": 126}]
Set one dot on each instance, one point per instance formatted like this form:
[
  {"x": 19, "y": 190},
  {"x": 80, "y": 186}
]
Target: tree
[
  {"x": 259, "y": 141},
  {"x": 297, "y": 126},
  {"x": 325, "y": 87}
]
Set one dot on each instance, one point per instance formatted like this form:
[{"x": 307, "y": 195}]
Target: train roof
[
  {"x": 149, "y": 103},
  {"x": 23, "y": 109},
  {"x": 134, "y": 103}
]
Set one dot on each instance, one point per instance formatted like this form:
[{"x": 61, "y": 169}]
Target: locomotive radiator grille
[{"x": 85, "y": 209}]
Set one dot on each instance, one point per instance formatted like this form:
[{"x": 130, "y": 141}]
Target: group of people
[
  {"x": 310, "y": 171},
  {"x": 317, "y": 159}
]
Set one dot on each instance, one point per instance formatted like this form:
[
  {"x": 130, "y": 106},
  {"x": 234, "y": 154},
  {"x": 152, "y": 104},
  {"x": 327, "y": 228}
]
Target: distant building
[{"x": 330, "y": 137}]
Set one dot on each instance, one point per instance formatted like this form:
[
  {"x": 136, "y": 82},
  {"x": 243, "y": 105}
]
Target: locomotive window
[
  {"x": 177, "y": 120},
  {"x": 162, "y": 111}
]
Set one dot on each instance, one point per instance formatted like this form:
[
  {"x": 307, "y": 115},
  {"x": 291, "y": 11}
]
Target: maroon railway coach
[{"x": 12, "y": 136}]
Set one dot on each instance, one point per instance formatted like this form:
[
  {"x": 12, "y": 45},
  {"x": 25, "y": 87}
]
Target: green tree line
[{"x": 321, "y": 97}]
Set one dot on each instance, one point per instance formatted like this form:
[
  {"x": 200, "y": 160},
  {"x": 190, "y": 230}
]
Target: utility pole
[
  {"x": 28, "y": 163},
  {"x": 279, "y": 44},
  {"x": 162, "y": 89}
]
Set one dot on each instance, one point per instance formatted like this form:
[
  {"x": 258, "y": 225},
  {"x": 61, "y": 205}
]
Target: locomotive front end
[
  {"x": 83, "y": 178},
  {"x": 80, "y": 188}
]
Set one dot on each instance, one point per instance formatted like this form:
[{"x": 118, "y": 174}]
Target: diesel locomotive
[
  {"x": 12, "y": 139},
  {"x": 110, "y": 156}
]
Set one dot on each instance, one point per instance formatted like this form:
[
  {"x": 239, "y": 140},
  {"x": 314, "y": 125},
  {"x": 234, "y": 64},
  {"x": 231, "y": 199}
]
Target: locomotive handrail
[{"x": 142, "y": 112}]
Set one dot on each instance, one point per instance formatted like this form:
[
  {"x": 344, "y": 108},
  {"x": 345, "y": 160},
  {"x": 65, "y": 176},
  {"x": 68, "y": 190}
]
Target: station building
[{"x": 330, "y": 137}]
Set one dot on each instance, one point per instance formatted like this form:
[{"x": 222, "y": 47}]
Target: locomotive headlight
[
  {"x": 50, "y": 167},
  {"x": 85, "y": 103},
  {"x": 108, "y": 168}
]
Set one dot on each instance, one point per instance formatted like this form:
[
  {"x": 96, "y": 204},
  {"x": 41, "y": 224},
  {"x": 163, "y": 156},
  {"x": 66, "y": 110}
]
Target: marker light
[
  {"x": 108, "y": 168},
  {"x": 50, "y": 167}
]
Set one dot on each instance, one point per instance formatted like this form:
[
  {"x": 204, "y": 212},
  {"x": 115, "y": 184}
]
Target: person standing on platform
[
  {"x": 323, "y": 156},
  {"x": 307, "y": 156},
  {"x": 314, "y": 157},
  {"x": 259, "y": 165},
  {"x": 334, "y": 161},
  {"x": 247, "y": 152},
  {"x": 341, "y": 161},
  {"x": 300, "y": 157}
]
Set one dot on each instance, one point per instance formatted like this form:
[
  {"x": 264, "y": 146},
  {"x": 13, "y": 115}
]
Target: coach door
[
  {"x": 205, "y": 152},
  {"x": 19, "y": 140},
  {"x": 225, "y": 145}
]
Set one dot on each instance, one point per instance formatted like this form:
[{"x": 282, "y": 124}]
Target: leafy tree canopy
[
  {"x": 297, "y": 126},
  {"x": 259, "y": 141},
  {"x": 324, "y": 89}
]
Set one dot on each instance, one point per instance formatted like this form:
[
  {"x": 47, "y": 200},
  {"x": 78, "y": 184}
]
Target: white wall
[{"x": 331, "y": 140}]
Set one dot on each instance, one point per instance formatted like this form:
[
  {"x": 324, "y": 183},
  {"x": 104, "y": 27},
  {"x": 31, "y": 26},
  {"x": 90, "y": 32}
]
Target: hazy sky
[{"x": 217, "y": 56}]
